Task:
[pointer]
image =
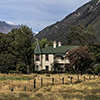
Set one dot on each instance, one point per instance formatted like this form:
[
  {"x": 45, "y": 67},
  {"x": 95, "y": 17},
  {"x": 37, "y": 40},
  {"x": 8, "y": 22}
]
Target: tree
[
  {"x": 22, "y": 45},
  {"x": 5, "y": 40},
  {"x": 43, "y": 43},
  {"x": 95, "y": 49},
  {"x": 79, "y": 35},
  {"x": 55, "y": 66},
  {"x": 7, "y": 62},
  {"x": 80, "y": 59},
  {"x": 97, "y": 69}
]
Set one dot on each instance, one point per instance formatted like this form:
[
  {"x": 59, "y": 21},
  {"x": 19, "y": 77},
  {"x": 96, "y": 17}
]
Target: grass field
[{"x": 84, "y": 90}]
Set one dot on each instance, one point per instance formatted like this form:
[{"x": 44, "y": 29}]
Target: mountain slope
[
  {"x": 5, "y": 28},
  {"x": 88, "y": 14}
]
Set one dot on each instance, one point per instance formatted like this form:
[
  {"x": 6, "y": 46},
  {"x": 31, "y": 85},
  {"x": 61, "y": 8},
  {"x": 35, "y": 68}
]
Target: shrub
[
  {"x": 89, "y": 71},
  {"x": 97, "y": 69},
  {"x": 42, "y": 71},
  {"x": 14, "y": 71}
]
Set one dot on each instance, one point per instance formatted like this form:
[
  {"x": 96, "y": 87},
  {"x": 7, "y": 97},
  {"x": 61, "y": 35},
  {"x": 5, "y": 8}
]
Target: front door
[{"x": 47, "y": 68}]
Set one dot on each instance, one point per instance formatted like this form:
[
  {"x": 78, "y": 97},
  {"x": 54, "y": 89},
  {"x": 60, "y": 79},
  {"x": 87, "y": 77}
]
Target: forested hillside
[{"x": 88, "y": 14}]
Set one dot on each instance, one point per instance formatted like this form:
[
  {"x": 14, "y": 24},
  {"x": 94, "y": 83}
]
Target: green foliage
[
  {"x": 78, "y": 35},
  {"x": 89, "y": 71},
  {"x": 7, "y": 62},
  {"x": 44, "y": 71},
  {"x": 5, "y": 40},
  {"x": 97, "y": 69},
  {"x": 43, "y": 43},
  {"x": 56, "y": 66},
  {"x": 14, "y": 72},
  {"x": 22, "y": 46},
  {"x": 17, "y": 50},
  {"x": 21, "y": 67},
  {"x": 95, "y": 48},
  {"x": 80, "y": 59}
]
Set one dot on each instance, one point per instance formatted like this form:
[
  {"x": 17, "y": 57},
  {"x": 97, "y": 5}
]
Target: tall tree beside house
[
  {"x": 95, "y": 48},
  {"x": 79, "y": 35},
  {"x": 7, "y": 63},
  {"x": 80, "y": 59},
  {"x": 7, "y": 60},
  {"x": 5, "y": 41},
  {"x": 22, "y": 45},
  {"x": 43, "y": 43}
]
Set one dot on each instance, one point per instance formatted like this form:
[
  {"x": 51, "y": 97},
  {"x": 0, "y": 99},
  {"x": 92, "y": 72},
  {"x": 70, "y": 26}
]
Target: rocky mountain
[
  {"x": 88, "y": 14},
  {"x": 5, "y": 27}
]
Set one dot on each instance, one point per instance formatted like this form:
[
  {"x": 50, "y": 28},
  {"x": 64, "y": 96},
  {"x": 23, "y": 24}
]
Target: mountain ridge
[
  {"x": 6, "y": 28},
  {"x": 88, "y": 14}
]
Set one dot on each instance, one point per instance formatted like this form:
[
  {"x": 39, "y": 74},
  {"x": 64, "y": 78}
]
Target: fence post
[
  {"x": 41, "y": 81},
  {"x": 84, "y": 77},
  {"x": 89, "y": 77},
  {"x": 25, "y": 88},
  {"x": 71, "y": 79},
  {"x": 98, "y": 75},
  {"x": 94, "y": 76},
  {"x": 62, "y": 80},
  {"x": 52, "y": 81},
  {"x": 34, "y": 83},
  {"x": 11, "y": 89},
  {"x": 78, "y": 78}
]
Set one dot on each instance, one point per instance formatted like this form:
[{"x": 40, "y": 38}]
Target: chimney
[
  {"x": 59, "y": 44},
  {"x": 54, "y": 44}
]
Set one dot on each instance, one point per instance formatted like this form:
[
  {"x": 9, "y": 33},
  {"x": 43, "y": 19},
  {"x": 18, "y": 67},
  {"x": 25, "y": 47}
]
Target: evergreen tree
[
  {"x": 22, "y": 45},
  {"x": 78, "y": 35}
]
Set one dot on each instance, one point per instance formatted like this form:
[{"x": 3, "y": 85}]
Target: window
[
  {"x": 37, "y": 67},
  {"x": 37, "y": 57},
  {"x": 47, "y": 68},
  {"x": 62, "y": 58},
  {"x": 47, "y": 57}
]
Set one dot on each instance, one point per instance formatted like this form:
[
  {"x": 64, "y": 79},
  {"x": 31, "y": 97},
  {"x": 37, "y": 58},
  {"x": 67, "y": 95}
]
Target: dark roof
[
  {"x": 37, "y": 49},
  {"x": 60, "y": 50},
  {"x": 47, "y": 50}
]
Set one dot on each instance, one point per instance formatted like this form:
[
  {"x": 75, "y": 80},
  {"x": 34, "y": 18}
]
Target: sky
[{"x": 37, "y": 14}]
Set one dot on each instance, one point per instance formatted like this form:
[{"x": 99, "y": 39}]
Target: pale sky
[{"x": 37, "y": 14}]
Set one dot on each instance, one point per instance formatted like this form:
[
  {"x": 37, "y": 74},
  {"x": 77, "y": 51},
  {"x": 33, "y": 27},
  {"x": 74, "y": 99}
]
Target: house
[{"x": 44, "y": 58}]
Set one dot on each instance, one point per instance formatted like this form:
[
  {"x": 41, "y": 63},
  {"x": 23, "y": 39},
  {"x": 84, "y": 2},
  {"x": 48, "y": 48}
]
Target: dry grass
[{"x": 85, "y": 90}]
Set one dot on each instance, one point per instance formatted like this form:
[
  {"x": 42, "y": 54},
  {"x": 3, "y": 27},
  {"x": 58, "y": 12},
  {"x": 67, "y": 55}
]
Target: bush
[
  {"x": 22, "y": 67},
  {"x": 89, "y": 71},
  {"x": 14, "y": 71},
  {"x": 42, "y": 71},
  {"x": 97, "y": 69}
]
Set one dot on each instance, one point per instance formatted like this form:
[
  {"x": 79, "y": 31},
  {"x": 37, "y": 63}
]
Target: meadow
[{"x": 61, "y": 90}]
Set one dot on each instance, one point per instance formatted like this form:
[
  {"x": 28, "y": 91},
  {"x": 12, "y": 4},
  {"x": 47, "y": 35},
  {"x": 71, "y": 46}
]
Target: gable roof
[
  {"x": 37, "y": 49},
  {"x": 60, "y": 50},
  {"x": 47, "y": 50}
]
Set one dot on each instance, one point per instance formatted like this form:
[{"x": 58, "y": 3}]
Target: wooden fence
[
  {"x": 40, "y": 81},
  {"x": 70, "y": 79}
]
